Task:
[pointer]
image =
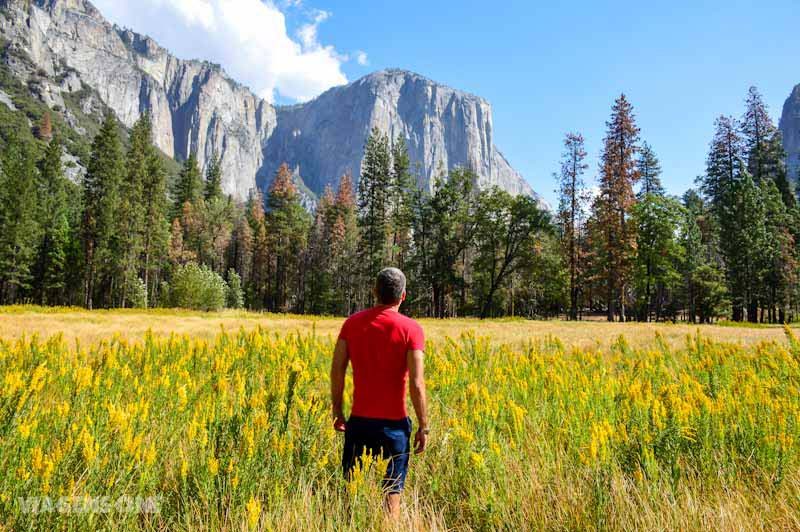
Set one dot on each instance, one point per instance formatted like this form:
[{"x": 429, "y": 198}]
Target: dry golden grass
[{"x": 90, "y": 326}]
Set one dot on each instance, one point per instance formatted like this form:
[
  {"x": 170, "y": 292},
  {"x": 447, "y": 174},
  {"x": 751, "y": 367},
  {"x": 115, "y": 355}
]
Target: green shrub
[{"x": 197, "y": 287}]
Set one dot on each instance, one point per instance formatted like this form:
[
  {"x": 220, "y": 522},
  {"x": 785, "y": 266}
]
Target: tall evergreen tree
[
  {"x": 345, "y": 253},
  {"x": 374, "y": 191},
  {"x": 213, "y": 185},
  {"x": 738, "y": 208},
  {"x": 763, "y": 144},
  {"x": 403, "y": 186},
  {"x": 287, "y": 224},
  {"x": 131, "y": 212},
  {"x": 757, "y": 129},
  {"x": 101, "y": 188},
  {"x": 51, "y": 266},
  {"x": 658, "y": 252},
  {"x": 320, "y": 294},
  {"x": 781, "y": 265},
  {"x": 19, "y": 226},
  {"x": 155, "y": 226},
  {"x": 618, "y": 175},
  {"x": 649, "y": 172},
  {"x": 573, "y": 198},
  {"x": 189, "y": 186}
]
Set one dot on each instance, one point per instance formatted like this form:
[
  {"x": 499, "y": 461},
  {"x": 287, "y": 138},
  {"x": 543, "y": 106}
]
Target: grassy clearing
[
  {"x": 92, "y": 326},
  {"x": 668, "y": 430}
]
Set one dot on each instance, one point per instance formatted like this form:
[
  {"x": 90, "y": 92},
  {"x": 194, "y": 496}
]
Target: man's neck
[{"x": 394, "y": 307}]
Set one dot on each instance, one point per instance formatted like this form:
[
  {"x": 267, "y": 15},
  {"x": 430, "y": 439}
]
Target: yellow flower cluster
[{"x": 241, "y": 419}]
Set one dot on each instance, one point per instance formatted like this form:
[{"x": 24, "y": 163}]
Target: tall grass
[{"x": 233, "y": 433}]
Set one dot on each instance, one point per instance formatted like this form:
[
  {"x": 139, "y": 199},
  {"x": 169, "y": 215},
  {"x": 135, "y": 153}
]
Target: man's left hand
[
  {"x": 339, "y": 423},
  {"x": 420, "y": 441}
]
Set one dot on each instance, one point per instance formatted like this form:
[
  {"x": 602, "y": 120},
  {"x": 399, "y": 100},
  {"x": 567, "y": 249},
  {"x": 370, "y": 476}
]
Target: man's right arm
[
  {"x": 338, "y": 372},
  {"x": 416, "y": 384}
]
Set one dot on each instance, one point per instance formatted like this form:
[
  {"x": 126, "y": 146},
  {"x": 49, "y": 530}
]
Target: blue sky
[{"x": 546, "y": 67}]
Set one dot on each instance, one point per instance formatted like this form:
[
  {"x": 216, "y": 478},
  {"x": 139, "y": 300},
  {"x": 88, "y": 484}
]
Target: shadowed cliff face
[
  {"x": 790, "y": 129},
  {"x": 195, "y": 107}
]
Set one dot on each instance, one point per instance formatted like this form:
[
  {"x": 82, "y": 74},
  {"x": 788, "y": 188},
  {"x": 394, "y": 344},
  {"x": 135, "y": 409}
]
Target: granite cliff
[
  {"x": 790, "y": 129},
  {"x": 73, "y": 54}
]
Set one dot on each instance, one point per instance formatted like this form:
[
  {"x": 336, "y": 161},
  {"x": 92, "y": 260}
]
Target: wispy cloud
[
  {"x": 248, "y": 37},
  {"x": 361, "y": 58}
]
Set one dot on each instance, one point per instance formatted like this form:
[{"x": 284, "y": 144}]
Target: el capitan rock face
[
  {"x": 443, "y": 128},
  {"x": 790, "y": 129},
  {"x": 195, "y": 107}
]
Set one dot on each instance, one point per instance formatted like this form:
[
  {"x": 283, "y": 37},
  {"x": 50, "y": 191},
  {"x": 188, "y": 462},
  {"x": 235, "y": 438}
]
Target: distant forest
[{"x": 130, "y": 235}]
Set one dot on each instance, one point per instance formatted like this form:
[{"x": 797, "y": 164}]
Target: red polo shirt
[{"x": 378, "y": 341}]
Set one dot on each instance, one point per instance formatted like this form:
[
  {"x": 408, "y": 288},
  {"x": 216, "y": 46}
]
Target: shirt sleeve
[
  {"x": 345, "y": 330},
  {"x": 416, "y": 338}
]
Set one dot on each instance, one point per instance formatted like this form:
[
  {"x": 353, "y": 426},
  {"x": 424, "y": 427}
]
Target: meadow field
[{"x": 187, "y": 421}]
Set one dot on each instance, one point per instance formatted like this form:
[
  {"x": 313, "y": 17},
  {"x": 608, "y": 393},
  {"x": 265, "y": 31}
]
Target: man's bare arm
[
  {"x": 338, "y": 372},
  {"x": 416, "y": 384}
]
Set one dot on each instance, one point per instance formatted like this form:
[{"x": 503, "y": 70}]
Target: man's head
[{"x": 390, "y": 286}]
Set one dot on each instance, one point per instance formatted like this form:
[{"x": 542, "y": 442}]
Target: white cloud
[
  {"x": 249, "y": 38},
  {"x": 361, "y": 58}
]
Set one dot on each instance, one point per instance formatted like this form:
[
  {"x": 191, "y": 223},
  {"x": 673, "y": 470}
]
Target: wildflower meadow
[{"x": 233, "y": 432}]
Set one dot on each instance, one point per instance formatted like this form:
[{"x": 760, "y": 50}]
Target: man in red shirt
[{"x": 386, "y": 351}]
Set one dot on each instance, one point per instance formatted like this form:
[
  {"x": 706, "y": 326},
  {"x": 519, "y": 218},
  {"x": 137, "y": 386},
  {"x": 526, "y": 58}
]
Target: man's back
[{"x": 378, "y": 341}]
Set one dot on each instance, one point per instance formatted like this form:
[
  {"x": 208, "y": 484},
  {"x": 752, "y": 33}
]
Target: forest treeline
[{"x": 129, "y": 235}]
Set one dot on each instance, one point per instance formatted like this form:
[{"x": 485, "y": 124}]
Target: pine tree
[
  {"x": 618, "y": 175},
  {"x": 374, "y": 190},
  {"x": 781, "y": 265},
  {"x": 724, "y": 166},
  {"x": 658, "y": 252},
  {"x": 213, "y": 186},
  {"x": 241, "y": 249},
  {"x": 402, "y": 195},
  {"x": 319, "y": 257},
  {"x": 738, "y": 208},
  {"x": 287, "y": 229},
  {"x": 50, "y": 274},
  {"x": 188, "y": 188},
  {"x": 656, "y": 223},
  {"x": 757, "y": 129},
  {"x": 155, "y": 227},
  {"x": 19, "y": 227},
  {"x": 100, "y": 206},
  {"x": 766, "y": 158},
  {"x": 573, "y": 197},
  {"x": 179, "y": 254},
  {"x": 649, "y": 171},
  {"x": 131, "y": 210},
  {"x": 344, "y": 235},
  {"x": 705, "y": 293},
  {"x": 259, "y": 269}
]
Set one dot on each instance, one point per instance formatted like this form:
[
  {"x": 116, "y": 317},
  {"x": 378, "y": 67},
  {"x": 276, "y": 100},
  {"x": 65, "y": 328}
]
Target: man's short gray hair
[{"x": 390, "y": 285}]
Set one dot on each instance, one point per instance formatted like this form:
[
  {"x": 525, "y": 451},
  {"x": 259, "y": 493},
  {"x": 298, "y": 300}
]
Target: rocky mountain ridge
[
  {"x": 790, "y": 129},
  {"x": 75, "y": 54}
]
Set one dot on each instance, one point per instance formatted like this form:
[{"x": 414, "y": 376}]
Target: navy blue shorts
[{"x": 390, "y": 439}]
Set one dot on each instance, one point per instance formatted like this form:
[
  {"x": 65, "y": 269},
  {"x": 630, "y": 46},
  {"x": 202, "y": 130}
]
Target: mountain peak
[{"x": 398, "y": 75}]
